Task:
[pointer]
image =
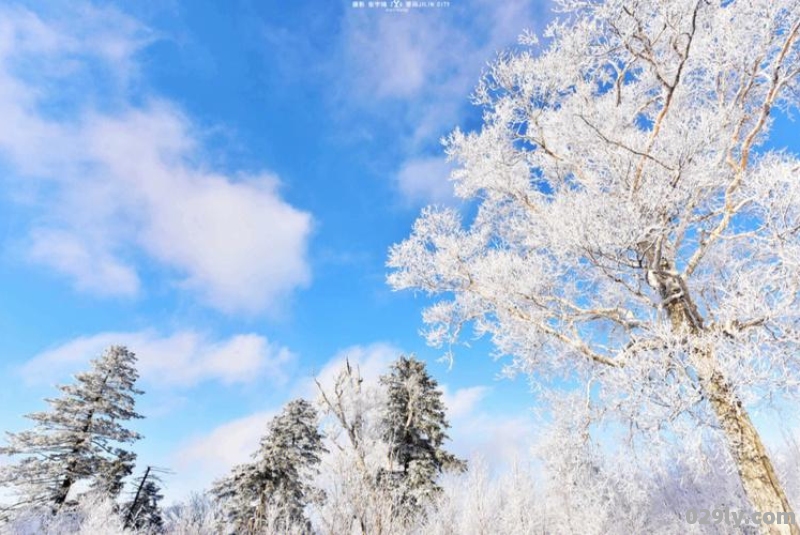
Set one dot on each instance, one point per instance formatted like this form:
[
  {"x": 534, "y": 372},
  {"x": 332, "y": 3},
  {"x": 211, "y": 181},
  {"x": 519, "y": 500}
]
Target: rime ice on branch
[{"x": 629, "y": 229}]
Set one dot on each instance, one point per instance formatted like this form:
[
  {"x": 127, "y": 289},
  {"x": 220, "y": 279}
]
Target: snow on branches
[{"x": 631, "y": 224}]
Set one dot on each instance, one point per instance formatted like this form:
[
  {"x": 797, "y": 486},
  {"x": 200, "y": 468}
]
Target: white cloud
[
  {"x": 430, "y": 56},
  {"x": 499, "y": 438},
  {"x": 116, "y": 189},
  {"x": 183, "y": 359},
  {"x": 418, "y": 69},
  {"x": 462, "y": 403},
  {"x": 93, "y": 270},
  {"x": 203, "y": 459},
  {"x": 479, "y": 432},
  {"x": 425, "y": 180},
  {"x": 416, "y": 60},
  {"x": 401, "y": 51},
  {"x": 227, "y": 445}
]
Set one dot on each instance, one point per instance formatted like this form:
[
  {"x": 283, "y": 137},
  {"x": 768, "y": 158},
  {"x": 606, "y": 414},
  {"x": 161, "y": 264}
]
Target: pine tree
[
  {"x": 143, "y": 512},
  {"x": 79, "y": 438},
  {"x": 415, "y": 428},
  {"x": 273, "y": 490}
]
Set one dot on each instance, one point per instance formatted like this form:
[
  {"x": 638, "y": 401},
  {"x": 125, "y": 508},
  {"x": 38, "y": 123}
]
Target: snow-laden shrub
[{"x": 92, "y": 515}]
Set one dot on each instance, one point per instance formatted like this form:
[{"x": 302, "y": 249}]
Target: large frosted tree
[
  {"x": 80, "y": 438},
  {"x": 633, "y": 229},
  {"x": 270, "y": 493}
]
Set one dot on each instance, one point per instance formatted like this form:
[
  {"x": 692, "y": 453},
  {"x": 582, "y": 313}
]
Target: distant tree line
[{"x": 79, "y": 451}]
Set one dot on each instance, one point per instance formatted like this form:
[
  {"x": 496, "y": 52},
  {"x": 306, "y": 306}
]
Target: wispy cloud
[
  {"x": 425, "y": 180},
  {"x": 415, "y": 71},
  {"x": 182, "y": 359},
  {"x": 464, "y": 401},
  {"x": 499, "y": 438},
  {"x": 477, "y": 431},
  {"x": 118, "y": 181},
  {"x": 203, "y": 459},
  {"x": 227, "y": 445}
]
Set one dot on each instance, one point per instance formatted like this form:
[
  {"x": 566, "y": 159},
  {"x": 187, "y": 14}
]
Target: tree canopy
[{"x": 632, "y": 228}]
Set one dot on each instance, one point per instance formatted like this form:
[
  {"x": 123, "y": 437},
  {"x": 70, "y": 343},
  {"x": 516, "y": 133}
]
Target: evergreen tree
[
  {"x": 273, "y": 490},
  {"x": 415, "y": 428},
  {"x": 143, "y": 512},
  {"x": 79, "y": 438}
]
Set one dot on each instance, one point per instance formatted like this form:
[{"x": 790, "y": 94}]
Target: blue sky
[{"x": 216, "y": 185}]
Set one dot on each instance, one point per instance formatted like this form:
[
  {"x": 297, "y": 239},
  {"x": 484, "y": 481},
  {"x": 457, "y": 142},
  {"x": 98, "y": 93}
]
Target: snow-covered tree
[
  {"x": 415, "y": 429},
  {"x": 199, "y": 514},
  {"x": 92, "y": 514},
  {"x": 80, "y": 438},
  {"x": 143, "y": 511},
  {"x": 353, "y": 407},
  {"x": 479, "y": 503},
  {"x": 272, "y": 491},
  {"x": 633, "y": 234}
]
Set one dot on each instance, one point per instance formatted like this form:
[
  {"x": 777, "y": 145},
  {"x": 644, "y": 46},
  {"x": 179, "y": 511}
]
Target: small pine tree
[
  {"x": 143, "y": 511},
  {"x": 77, "y": 440},
  {"x": 415, "y": 428},
  {"x": 273, "y": 490}
]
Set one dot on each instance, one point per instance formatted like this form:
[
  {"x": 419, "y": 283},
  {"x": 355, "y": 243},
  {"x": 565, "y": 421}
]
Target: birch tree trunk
[{"x": 758, "y": 476}]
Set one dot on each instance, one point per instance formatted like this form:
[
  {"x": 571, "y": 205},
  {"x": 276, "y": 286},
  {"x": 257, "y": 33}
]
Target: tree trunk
[
  {"x": 135, "y": 503},
  {"x": 758, "y": 476},
  {"x": 69, "y": 478},
  {"x": 62, "y": 493}
]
